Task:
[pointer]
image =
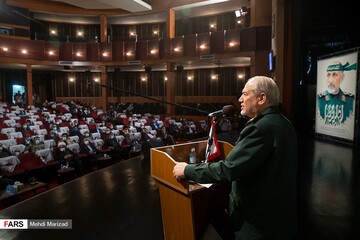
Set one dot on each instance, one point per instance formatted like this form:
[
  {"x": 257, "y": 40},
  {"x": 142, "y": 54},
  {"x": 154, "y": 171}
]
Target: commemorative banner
[{"x": 336, "y": 95}]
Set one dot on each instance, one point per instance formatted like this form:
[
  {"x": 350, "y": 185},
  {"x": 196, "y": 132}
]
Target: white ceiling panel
[{"x": 129, "y": 5}]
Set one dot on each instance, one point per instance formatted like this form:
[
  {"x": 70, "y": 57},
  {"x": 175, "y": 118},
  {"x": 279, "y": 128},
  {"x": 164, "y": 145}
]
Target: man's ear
[{"x": 262, "y": 98}]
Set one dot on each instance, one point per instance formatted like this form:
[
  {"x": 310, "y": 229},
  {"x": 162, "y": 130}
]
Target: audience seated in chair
[
  {"x": 84, "y": 133},
  {"x": 4, "y": 181},
  {"x": 4, "y": 152},
  {"x": 54, "y": 132},
  {"x": 73, "y": 129},
  {"x": 8, "y": 172},
  {"x": 167, "y": 138},
  {"x": 35, "y": 145},
  {"x": 123, "y": 148},
  {"x": 88, "y": 148},
  {"x": 110, "y": 141},
  {"x": 17, "y": 149},
  {"x": 26, "y": 126},
  {"x": 131, "y": 129},
  {"x": 65, "y": 139},
  {"x": 68, "y": 157},
  {"x": 27, "y": 139},
  {"x": 113, "y": 144}
]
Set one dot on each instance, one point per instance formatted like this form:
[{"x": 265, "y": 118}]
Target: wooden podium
[{"x": 187, "y": 208}]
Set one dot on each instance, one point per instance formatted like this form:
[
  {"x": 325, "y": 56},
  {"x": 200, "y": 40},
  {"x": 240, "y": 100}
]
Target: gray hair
[{"x": 266, "y": 85}]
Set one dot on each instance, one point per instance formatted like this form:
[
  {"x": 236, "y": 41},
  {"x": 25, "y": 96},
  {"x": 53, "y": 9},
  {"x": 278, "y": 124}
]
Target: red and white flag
[{"x": 212, "y": 148}]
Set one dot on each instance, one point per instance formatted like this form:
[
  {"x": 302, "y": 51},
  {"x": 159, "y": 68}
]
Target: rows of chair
[{"x": 19, "y": 123}]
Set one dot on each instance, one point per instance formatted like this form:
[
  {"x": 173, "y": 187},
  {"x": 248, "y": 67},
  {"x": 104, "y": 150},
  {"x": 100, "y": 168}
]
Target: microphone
[{"x": 226, "y": 110}]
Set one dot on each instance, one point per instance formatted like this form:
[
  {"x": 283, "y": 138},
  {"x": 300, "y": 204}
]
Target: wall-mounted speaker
[
  {"x": 117, "y": 70},
  {"x": 217, "y": 70},
  {"x": 180, "y": 68},
  {"x": 147, "y": 69}
]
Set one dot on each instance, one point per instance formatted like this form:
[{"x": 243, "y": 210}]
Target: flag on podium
[{"x": 212, "y": 148}]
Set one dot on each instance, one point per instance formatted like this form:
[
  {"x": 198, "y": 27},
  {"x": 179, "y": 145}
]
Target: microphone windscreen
[{"x": 228, "y": 109}]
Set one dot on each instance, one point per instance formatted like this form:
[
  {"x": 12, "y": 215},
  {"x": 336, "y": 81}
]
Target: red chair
[
  {"x": 18, "y": 174},
  {"x": 3, "y": 136},
  {"x": 29, "y": 133},
  {"x": 65, "y": 124},
  {"x": 32, "y": 164},
  {"x": 19, "y": 140},
  {"x": 92, "y": 127},
  {"x": 51, "y": 166},
  {"x": 53, "y": 163},
  {"x": 126, "y": 121}
]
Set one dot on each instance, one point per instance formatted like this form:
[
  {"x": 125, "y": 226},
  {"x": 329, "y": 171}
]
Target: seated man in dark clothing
[
  {"x": 4, "y": 152},
  {"x": 110, "y": 140},
  {"x": 90, "y": 151},
  {"x": 88, "y": 147},
  {"x": 27, "y": 140},
  {"x": 65, "y": 139},
  {"x": 3, "y": 180},
  {"x": 74, "y": 129},
  {"x": 66, "y": 156},
  {"x": 115, "y": 147}
]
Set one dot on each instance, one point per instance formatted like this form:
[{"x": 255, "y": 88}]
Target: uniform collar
[
  {"x": 339, "y": 95},
  {"x": 269, "y": 110}
]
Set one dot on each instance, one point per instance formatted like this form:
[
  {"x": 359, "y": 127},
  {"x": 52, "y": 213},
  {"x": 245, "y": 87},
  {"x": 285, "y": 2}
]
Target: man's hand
[{"x": 178, "y": 170}]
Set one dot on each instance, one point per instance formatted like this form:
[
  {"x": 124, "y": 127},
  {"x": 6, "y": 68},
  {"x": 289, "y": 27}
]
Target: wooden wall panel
[
  {"x": 66, "y": 51},
  {"x": 217, "y": 42},
  {"x": 232, "y": 40},
  {"x": 129, "y": 51},
  {"x": 11, "y": 47},
  {"x": 177, "y": 47},
  {"x": 165, "y": 48},
  {"x": 92, "y": 50},
  {"x": 203, "y": 43},
  {"x": 248, "y": 39},
  {"x": 80, "y": 48},
  {"x": 263, "y": 38},
  {"x": 36, "y": 49},
  {"x": 141, "y": 50},
  {"x": 153, "y": 49},
  {"x": 105, "y": 53},
  {"x": 52, "y": 46},
  {"x": 190, "y": 45},
  {"x": 118, "y": 51}
]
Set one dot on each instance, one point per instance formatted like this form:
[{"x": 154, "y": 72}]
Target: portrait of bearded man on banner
[{"x": 336, "y": 105}]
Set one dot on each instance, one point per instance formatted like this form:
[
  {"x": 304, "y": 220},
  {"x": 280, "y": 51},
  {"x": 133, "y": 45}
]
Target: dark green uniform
[
  {"x": 335, "y": 109},
  {"x": 263, "y": 169}
]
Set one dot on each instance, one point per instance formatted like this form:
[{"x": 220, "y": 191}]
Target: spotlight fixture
[{"x": 241, "y": 12}]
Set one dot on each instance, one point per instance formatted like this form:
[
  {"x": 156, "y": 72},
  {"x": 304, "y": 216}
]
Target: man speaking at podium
[{"x": 262, "y": 167}]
